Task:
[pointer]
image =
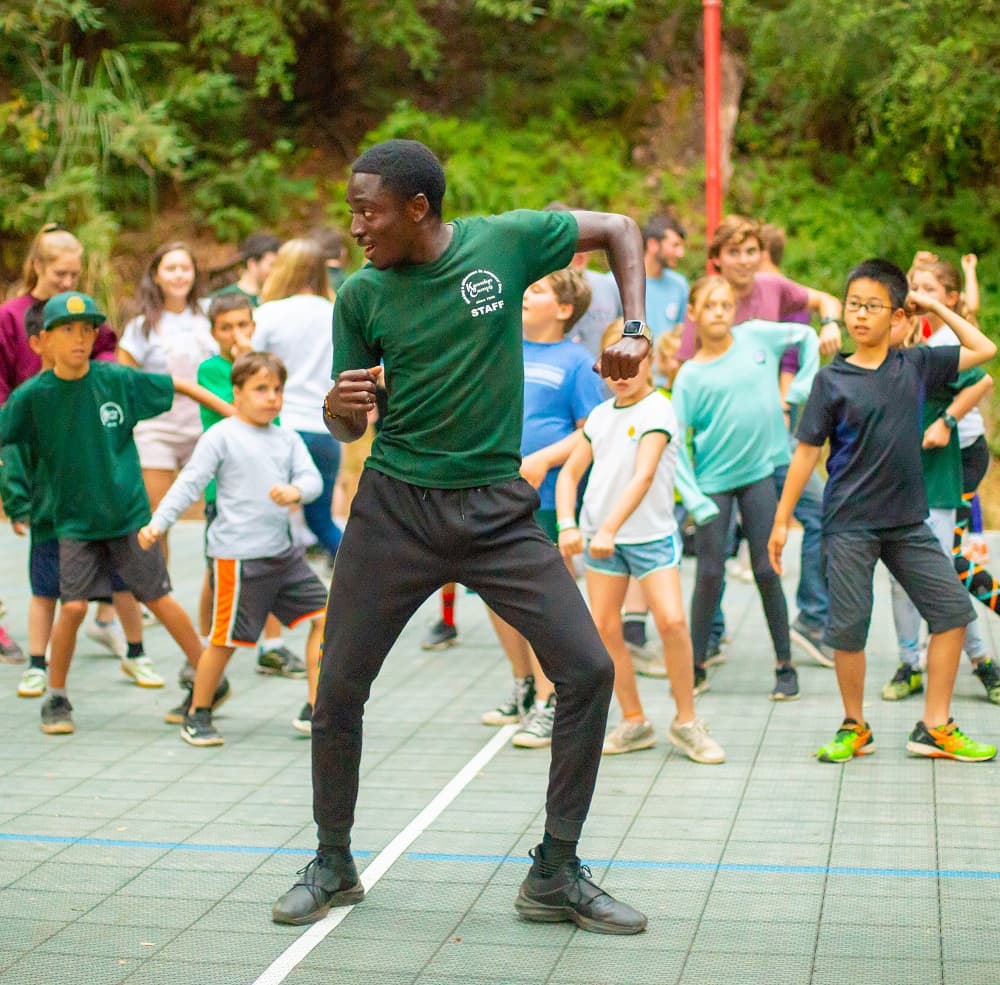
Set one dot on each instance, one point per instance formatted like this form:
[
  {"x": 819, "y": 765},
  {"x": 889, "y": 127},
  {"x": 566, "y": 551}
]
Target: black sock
[
  {"x": 634, "y": 628},
  {"x": 38, "y": 661},
  {"x": 554, "y": 853},
  {"x": 135, "y": 650}
]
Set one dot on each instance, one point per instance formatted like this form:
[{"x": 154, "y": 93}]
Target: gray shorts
[
  {"x": 915, "y": 559},
  {"x": 87, "y": 569},
  {"x": 244, "y": 592}
]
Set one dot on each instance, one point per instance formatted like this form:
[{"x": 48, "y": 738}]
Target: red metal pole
[{"x": 713, "y": 127}]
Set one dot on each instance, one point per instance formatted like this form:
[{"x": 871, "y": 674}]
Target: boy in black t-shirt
[{"x": 867, "y": 406}]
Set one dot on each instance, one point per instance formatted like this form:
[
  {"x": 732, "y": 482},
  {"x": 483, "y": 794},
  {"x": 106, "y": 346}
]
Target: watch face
[{"x": 632, "y": 328}]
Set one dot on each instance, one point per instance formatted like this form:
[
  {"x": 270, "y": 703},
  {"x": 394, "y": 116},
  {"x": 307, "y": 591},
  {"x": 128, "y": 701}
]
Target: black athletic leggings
[
  {"x": 401, "y": 544},
  {"x": 757, "y": 504}
]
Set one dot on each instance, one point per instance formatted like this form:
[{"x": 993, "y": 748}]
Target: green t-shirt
[
  {"x": 80, "y": 431},
  {"x": 449, "y": 335},
  {"x": 215, "y": 374},
  {"x": 943, "y": 466},
  {"x": 254, "y": 299}
]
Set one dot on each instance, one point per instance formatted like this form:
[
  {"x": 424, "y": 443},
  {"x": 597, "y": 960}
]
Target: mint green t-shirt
[
  {"x": 449, "y": 335},
  {"x": 80, "y": 432}
]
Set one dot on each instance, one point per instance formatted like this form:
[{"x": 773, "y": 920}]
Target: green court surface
[{"x": 128, "y": 856}]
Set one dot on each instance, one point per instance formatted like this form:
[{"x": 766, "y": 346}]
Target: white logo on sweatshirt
[
  {"x": 112, "y": 415},
  {"x": 482, "y": 291}
]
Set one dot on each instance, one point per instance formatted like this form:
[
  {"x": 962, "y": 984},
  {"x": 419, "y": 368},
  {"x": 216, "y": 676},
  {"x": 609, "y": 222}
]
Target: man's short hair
[
  {"x": 570, "y": 287},
  {"x": 222, "y": 304},
  {"x": 773, "y": 240},
  {"x": 885, "y": 273},
  {"x": 658, "y": 226},
  {"x": 736, "y": 230},
  {"x": 257, "y": 245},
  {"x": 407, "y": 168},
  {"x": 250, "y": 363}
]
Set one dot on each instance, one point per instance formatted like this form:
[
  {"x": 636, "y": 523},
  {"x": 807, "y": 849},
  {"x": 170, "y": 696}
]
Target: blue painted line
[{"x": 834, "y": 870}]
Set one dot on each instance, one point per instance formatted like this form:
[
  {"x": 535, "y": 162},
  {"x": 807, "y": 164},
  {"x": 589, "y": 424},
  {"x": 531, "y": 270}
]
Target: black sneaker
[
  {"x": 516, "y": 707},
  {"x": 198, "y": 729},
  {"x": 572, "y": 895},
  {"x": 440, "y": 637},
  {"x": 186, "y": 677},
  {"x": 304, "y": 722},
  {"x": 786, "y": 684},
  {"x": 279, "y": 661},
  {"x": 177, "y": 715},
  {"x": 989, "y": 673},
  {"x": 700, "y": 679},
  {"x": 57, "y": 716},
  {"x": 328, "y": 880}
]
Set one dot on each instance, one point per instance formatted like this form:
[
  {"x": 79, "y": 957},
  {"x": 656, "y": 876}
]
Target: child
[
  {"x": 232, "y": 325},
  {"x": 867, "y": 405},
  {"x": 727, "y": 394},
  {"x": 628, "y": 521},
  {"x": 76, "y": 420},
  {"x": 261, "y": 470},
  {"x": 27, "y": 501},
  {"x": 560, "y": 390}
]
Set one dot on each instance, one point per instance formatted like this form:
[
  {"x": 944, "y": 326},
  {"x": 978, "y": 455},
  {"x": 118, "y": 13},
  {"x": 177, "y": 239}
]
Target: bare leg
[
  {"x": 663, "y": 593},
  {"x": 211, "y": 667},
  {"x": 944, "y": 651},
  {"x": 63, "y": 643},
  {"x": 176, "y": 622},
  {"x": 514, "y": 645},
  {"x": 105, "y": 613},
  {"x": 850, "y": 666},
  {"x": 41, "y": 616},
  {"x": 314, "y": 644},
  {"x": 157, "y": 482},
  {"x": 205, "y": 606},
  {"x": 272, "y": 629},
  {"x": 129, "y": 615},
  {"x": 606, "y": 594}
]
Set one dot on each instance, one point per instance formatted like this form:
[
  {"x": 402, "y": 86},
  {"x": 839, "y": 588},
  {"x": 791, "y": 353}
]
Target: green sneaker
[
  {"x": 851, "y": 740},
  {"x": 906, "y": 681},
  {"x": 948, "y": 742},
  {"x": 989, "y": 673}
]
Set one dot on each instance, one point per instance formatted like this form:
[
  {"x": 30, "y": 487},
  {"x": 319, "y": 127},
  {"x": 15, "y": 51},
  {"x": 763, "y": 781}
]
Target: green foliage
[{"x": 250, "y": 190}]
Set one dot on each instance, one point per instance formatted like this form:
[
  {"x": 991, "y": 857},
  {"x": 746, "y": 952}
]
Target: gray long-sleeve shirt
[{"x": 246, "y": 461}]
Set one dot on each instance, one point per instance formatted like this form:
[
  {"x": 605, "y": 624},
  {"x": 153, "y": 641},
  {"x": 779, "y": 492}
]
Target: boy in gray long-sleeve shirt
[{"x": 260, "y": 471}]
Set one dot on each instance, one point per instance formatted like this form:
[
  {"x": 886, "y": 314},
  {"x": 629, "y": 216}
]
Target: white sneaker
[
  {"x": 142, "y": 671},
  {"x": 647, "y": 662},
  {"x": 694, "y": 741},
  {"x": 111, "y": 637},
  {"x": 32, "y": 683},
  {"x": 629, "y": 737},
  {"x": 536, "y": 729}
]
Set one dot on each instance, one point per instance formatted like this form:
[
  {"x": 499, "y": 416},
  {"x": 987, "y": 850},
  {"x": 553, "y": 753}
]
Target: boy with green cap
[{"x": 76, "y": 421}]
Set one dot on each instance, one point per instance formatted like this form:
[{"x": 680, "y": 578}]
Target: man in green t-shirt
[
  {"x": 76, "y": 420},
  {"x": 438, "y": 307}
]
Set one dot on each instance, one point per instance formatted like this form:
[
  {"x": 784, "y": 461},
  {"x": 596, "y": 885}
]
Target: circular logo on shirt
[
  {"x": 112, "y": 415},
  {"x": 760, "y": 357},
  {"x": 482, "y": 291}
]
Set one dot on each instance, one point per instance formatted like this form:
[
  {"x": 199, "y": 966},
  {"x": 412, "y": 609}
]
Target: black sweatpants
[{"x": 401, "y": 544}]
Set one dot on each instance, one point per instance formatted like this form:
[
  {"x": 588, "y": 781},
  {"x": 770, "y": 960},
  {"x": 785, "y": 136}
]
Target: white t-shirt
[
  {"x": 299, "y": 331},
  {"x": 614, "y": 434},
  {"x": 971, "y": 426},
  {"x": 178, "y": 345}
]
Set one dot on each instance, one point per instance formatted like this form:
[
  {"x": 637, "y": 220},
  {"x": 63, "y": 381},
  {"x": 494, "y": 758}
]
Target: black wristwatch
[
  {"x": 633, "y": 327},
  {"x": 949, "y": 420}
]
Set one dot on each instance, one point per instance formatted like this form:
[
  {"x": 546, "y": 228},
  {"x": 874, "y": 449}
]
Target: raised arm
[
  {"x": 976, "y": 348},
  {"x": 938, "y": 432},
  {"x": 830, "y": 311},
  {"x": 204, "y": 397},
  {"x": 619, "y": 237}
]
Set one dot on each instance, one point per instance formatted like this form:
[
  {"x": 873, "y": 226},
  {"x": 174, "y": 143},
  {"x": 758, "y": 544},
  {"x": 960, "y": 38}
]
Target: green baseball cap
[{"x": 71, "y": 306}]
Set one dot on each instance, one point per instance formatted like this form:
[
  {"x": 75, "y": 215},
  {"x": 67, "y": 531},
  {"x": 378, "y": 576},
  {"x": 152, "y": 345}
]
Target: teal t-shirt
[
  {"x": 732, "y": 404},
  {"x": 80, "y": 433},
  {"x": 254, "y": 299},
  {"x": 215, "y": 374},
  {"x": 449, "y": 335}
]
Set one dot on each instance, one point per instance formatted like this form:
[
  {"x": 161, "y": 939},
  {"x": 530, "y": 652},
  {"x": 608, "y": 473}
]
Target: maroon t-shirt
[
  {"x": 17, "y": 362},
  {"x": 771, "y": 298}
]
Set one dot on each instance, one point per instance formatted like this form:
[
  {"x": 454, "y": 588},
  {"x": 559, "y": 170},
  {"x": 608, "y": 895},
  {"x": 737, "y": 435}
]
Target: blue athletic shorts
[{"x": 638, "y": 560}]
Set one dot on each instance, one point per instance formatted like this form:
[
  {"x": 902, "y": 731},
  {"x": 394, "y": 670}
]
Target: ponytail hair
[{"x": 51, "y": 242}]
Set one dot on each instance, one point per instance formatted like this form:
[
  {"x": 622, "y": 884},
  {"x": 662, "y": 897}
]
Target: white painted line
[{"x": 285, "y": 963}]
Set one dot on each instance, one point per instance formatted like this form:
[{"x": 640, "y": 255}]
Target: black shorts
[
  {"x": 88, "y": 568},
  {"x": 43, "y": 571},
  {"x": 915, "y": 559},
  {"x": 244, "y": 592}
]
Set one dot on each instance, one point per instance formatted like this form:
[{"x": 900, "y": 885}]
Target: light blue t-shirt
[
  {"x": 605, "y": 307},
  {"x": 732, "y": 404},
  {"x": 666, "y": 301},
  {"x": 560, "y": 388}
]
